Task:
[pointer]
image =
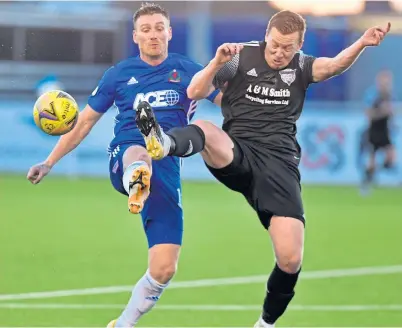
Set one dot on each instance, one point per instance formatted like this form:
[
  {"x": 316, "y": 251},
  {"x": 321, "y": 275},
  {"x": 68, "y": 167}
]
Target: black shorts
[
  {"x": 270, "y": 183},
  {"x": 379, "y": 140}
]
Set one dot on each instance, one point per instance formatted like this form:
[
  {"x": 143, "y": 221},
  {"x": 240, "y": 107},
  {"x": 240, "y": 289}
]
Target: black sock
[
  {"x": 186, "y": 141},
  {"x": 388, "y": 165},
  {"x": 280, "y": 291},
  {"x": 369, "y": 175}
]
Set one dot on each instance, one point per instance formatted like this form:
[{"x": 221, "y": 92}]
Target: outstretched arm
[
  {"x": 99, "y": 102},
  {"x": 86, "y": 120},
  {"x": 325, "y": 68}
]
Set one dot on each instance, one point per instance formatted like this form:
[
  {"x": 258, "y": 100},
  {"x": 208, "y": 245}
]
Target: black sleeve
[
  {"x": 306, "y": 65},
  {"x": 227, "y": 72}
]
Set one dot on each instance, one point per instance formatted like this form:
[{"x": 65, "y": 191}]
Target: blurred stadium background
[{"x": 70, "y": 252}]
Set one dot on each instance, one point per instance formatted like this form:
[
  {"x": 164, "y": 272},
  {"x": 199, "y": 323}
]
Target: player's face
[
  {"x": 152, "y": 33},
  {"x": 281, "y": 48},
  {"x": 384, "y": 81}
]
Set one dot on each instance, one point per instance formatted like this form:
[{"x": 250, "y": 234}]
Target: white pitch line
[
  {"x": 322, "y": 274},
  {"x": 209, "y": 307}
]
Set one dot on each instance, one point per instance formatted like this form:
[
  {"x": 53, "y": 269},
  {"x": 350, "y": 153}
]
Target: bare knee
[
  {"x": 163, "y": 259},
  {"x": 163, "y": 272},
  {"x": 287, "y": 236},
  {"x": 135, "y": 153},
  {"x": 211, "y": 137},
  {"x": 207, "y": 128},
  {"x": 211, "y": 131},
  {"x": 218, "y": 150},
  {"x": 290, "y": 263}
]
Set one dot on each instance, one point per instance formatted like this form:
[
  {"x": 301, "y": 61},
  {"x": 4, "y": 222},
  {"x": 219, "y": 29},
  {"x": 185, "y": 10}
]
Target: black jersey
[
  {"x": 380, "y": 124},
  {"x": 261, "y": 104}
]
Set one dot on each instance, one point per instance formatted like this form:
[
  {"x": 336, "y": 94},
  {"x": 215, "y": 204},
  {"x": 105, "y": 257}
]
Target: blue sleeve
[
  {"x": 102, "y": 98},
  {"x": 213, "y": 95},
  {"x": 194, "y": 70}
]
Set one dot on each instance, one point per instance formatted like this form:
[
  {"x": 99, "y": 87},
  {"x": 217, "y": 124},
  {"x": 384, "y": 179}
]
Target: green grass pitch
[{"x": 76, "y": 234}]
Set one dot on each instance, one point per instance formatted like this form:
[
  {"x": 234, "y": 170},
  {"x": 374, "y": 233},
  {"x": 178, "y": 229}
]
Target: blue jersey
[{"x": 164, "y": 86}]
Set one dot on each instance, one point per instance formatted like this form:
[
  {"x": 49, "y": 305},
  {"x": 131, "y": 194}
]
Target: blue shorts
[{"x": 162, "y": 215}]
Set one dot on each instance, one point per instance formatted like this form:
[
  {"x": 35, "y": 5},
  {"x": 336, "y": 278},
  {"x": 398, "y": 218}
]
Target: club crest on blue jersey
[
  {"x": 131, "y": 81},
  {"x": 174, "y": 76}
]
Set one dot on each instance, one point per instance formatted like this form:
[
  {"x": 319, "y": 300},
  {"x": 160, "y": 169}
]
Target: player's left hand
[
  {"x": 38, "y": 172},
  {"x": 373, "y": 36}
]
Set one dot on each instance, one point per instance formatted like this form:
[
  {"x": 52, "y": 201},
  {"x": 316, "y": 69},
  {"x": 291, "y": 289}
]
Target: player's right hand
[
  {"x": 374, "y": 36},
  {"x": 226, "y": 52},
  {"x": 37, "y": 172}
]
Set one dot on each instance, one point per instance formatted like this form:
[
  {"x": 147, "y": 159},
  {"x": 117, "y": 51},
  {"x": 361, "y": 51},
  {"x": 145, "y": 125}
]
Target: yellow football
[{"x": 55, "y": 112}]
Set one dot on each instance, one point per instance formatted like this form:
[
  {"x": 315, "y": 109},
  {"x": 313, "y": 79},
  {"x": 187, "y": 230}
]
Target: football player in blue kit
[{"x": 160, "y": 79}]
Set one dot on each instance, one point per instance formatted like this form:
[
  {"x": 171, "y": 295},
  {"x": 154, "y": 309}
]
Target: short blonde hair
[{"x": 148, "y": 8}]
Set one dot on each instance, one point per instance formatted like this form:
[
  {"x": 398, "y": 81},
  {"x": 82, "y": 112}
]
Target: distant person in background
[
  {"x": 379, "y": 112},
  {"x": 362, "y": 150}
]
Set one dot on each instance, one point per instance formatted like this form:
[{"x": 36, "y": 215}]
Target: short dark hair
[
  {"x": 149, "y": 8},
  {"x": 287, "y": 22}
]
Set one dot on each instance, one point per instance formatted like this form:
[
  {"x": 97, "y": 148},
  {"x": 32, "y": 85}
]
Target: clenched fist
[
  {"x": 37, "y": 172},
  {"x": 226, "y": 52}
]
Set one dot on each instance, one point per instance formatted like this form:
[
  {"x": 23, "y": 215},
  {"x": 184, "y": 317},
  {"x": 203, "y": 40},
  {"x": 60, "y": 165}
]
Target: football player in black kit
[
  {"x": 256, "y": 152},
  {"x": 379, "y": 113}
]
